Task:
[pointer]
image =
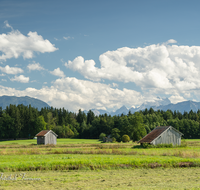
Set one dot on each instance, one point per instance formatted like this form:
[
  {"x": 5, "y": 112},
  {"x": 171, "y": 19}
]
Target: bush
[
  {"x": 115, "y": 134},
  {"x": 147, "y": 145},
  {"x": 113, "y": 139},
  {"x": 125, "y": 138},
  {"x": 101, "y": 136},
  {"x": 164, "y": 145}
]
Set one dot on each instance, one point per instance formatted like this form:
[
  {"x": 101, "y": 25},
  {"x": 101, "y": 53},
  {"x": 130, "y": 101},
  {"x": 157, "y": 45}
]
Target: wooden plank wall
[
  {"x": 40, "y": 140},
  {"x": 50, "y": 138},
  {"x": 169, "y": 136}
]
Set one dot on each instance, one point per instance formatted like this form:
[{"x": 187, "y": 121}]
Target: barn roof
[
  {"x": 44, "y": 133},
  {"x": 155, "y": 133}
]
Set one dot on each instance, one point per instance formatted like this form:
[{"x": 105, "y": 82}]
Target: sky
[{"x": 100, "y": 54}]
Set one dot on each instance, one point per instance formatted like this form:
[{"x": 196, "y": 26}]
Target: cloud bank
[
  {"x": 74, "y": 94},
  {"x": 165, "y": 70},
  {"x": 162, "y": 67}
]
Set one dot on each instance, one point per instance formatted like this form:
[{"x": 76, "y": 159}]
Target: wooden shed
[
  {"x": 107, "y": 139},
  {"x": 46, "y": 137},
  {"x": 163, "y": 135}
]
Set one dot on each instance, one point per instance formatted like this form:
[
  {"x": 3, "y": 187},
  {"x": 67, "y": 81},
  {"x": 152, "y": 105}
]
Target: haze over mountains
[{"x": 161, "y": 104}]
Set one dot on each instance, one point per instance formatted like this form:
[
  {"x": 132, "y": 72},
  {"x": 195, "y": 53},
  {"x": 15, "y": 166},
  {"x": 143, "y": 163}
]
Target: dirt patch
[
  {"x": 186, "y": 164},
  {"x": 155, "y": 165}
]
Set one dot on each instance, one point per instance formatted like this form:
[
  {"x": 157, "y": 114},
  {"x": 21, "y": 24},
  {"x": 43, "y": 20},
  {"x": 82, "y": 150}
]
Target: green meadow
[
  {"x": 79, "y": 154},
  {"x": 59, "y": 141},
  {"x": 71, "y": 160}
]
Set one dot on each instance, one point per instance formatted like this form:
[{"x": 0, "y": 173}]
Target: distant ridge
[
  {"x": 25, "y": 100},
  {"x": 181, "y": 106},
  {"x": 160, "y": 104}
]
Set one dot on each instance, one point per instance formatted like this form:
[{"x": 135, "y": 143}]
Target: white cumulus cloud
[
  {"x": 171, "y": 41},
  {"x": 20, "y": 78},
  {"x": 74, "y": 94},
  {"x": 11, "y": 70},
  {"x": 176, "y": 98},
  {"x": 34, "y": 66},
  {"x": 161, "y": 66},
  {"x": 57, "y": 72},
  {"x": 15, "y": 44}
]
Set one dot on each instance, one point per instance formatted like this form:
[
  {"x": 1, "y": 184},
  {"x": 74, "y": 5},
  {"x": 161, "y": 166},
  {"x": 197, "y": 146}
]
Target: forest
[{"x": 26, "y": 121}]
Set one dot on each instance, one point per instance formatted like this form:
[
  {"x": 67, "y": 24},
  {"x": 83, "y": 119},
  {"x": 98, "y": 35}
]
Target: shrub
[
  {"x": 115, "y": 134},
  {"x": 164, "y": 145},
  {"x": 146, "y": 145},
  {"x": 113, "y": 139},
  {"x": 125, "y": 138},
  {"x": 101, "y": 136}
]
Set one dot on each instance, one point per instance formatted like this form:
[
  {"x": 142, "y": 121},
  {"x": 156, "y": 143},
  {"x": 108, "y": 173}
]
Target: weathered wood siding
[
  {"x": 167, "y": 137},
  {"x": 50, "y": 138},
  {"x": 40, "y": 140}
]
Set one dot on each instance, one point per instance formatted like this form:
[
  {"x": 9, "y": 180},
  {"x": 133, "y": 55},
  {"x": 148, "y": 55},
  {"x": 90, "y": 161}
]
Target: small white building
[
  {"x": 163, "y": 135},
  {"x": 46, "y": 137}
]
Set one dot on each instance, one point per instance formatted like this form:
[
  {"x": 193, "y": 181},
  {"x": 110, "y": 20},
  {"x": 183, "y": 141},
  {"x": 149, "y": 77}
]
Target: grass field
[
  {"x": 90, "y": 164},
  {"x": 140, "y": 179},
  {"x": 76, "y": 154},
  {"x": 59, "y": 141}
]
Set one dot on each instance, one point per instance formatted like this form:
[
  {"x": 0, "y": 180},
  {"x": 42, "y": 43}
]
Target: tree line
[{"x": 26, "y": 121}]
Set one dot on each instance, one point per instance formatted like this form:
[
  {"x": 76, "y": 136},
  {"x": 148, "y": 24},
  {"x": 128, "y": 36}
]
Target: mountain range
[
  {"x": 160, "y": 104},
  {"x": 26, "y": 100}
]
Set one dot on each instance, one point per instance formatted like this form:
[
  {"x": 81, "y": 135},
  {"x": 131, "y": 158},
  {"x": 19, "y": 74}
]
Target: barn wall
[
  {"x": 40, "y": 140},
  {"x": 50, "y": 138},
  {"x": 168, "y": 137}
]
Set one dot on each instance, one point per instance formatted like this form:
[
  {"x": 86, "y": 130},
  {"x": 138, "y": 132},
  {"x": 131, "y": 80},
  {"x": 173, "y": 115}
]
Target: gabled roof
[
  {"x": 44, "y": 133},
  {"x": 155, "y": 133}
]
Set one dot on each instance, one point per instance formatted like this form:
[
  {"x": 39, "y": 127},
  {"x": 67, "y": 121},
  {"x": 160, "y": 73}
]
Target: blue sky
[{"x": 100, "y": 54}]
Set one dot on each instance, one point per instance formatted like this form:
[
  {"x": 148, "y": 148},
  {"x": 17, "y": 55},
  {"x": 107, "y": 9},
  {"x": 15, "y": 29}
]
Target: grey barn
[
  {"x": 46, "y": 137},
  {"x": 163, "y": 135}
]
